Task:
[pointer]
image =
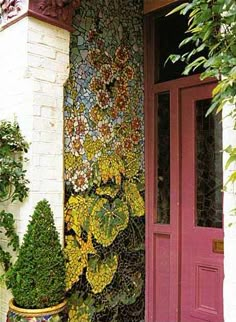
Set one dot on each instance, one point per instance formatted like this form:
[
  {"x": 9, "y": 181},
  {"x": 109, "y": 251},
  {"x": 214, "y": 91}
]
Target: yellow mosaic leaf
[
  {"x": 134, "y": 199},
  {"x": 96, "y": 113},
  {"x": 72, "y": 162},
  {"x": 106, "y": 221},
  {"x": 92, "y": 147},
  {"x": 76, "y": 253},
  {"x": 132, "y": 164},
  {"x": 76, "y": 213},
  {"x": 76, "y": 261},
  {"x": 81, "y": 108},
  {"x": 109, "y": 191},
  {"x": 111, "y": 167},
  {"x": 75, "y": 314},
  {"x": 101, "y": 274}
]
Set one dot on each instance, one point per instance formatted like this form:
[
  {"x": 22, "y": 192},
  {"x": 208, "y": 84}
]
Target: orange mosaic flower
[
  {"x": 96, "y": 84},
  {"x": 136, "y": 123},
  {"x": 122, "y": 54},
  {"x": 135, "y": 137},
  {"x": 103, "y": 99},
  {"x": 69, "y": 126},
  {"x": 128, "y": 73},
  {"x": 121, "y": 102},
  {"x": 106, "y": 73}
]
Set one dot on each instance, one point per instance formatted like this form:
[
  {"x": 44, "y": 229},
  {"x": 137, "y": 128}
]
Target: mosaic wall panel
[{"x": 104, "y": 162}]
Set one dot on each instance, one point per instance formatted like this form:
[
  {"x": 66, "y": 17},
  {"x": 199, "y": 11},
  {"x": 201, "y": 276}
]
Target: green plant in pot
[{"x": 37, "y": 279}]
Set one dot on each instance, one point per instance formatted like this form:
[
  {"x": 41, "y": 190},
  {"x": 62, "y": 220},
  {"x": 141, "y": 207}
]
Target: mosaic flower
[
  {"x": 128, "y": 144},
  {"x": 96, "y": 84},
  {"x": 106, "y": 73},
  {"x": 76, "y": 145},
  {"x": 94, "y": 57},
  {"x": 79, "y": 181},
  {"x": 69, "y": 126},
  {"x": 135, "y": 137},
  {"x": 136, "y": 123},
  {"x": 105, "y": 130},
  {"x": 103, "y": 99},
  {"x": 128, "y": 73},
  {"x": 122, "y": 54},
  {"x": 121, "y": 102},
  {"x": 122, "y": 85},
  {"x": 114, "y": 112},
  {"x": 81, "y": 125}
]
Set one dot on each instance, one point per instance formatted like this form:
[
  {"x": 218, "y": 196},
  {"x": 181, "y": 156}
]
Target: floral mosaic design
[
  {"x": 104, "y": 179},
  {"x": 14, "y": 317}
]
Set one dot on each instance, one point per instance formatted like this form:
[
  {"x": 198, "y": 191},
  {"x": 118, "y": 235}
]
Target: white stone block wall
[
  {"x": 34, "y": 65},
  {"x": 229, "y": 138}
]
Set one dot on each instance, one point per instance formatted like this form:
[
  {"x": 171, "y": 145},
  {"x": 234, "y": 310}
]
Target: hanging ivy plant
[
  {"x": 13, "y": 184},
  {"x": 212, "y": 30}
]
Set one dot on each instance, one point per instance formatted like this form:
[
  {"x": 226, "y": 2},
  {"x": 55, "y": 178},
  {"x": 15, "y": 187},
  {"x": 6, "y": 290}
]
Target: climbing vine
[
  {"x": 212, "y": 30},
  {"x": 13, "y": 183}
]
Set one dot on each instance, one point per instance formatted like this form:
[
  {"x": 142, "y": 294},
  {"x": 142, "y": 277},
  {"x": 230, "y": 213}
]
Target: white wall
[
  {"x": 34, "y": 66},
  {"x": 229, "y": 138}
]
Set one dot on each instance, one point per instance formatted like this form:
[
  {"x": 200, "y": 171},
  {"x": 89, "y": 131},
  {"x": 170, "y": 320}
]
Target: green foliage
[
  {"x": 13, "y": 184},
  {"x": 37, "y": 279},
  {"x": 212, "y": 29}
]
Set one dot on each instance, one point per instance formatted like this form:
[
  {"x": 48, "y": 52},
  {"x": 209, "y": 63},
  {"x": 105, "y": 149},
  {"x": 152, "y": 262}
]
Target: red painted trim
[
  {"x": 13, "y": 21},
  {"x": 50, "y": 20},
  {"x": 184, "y": 82},
  {"x": 149, "y": 162}
]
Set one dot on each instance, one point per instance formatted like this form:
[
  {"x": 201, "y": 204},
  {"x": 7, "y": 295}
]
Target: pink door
[
  {"x": 184, "y": 234},
  {"x": 201, "y": 209}
]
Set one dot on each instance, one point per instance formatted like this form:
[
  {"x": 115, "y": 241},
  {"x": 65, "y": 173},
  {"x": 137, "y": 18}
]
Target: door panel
[
  {"x": 201, "y": 266},
  {"x": 184, "y": 234}
]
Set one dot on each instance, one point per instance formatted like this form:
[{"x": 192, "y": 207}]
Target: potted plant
[{"x": 37, "y": 279}]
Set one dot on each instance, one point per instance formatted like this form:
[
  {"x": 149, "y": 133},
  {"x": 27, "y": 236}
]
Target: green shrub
[
  {"x": 37, "y": 279},
  {"x": 13, "y": 185}
]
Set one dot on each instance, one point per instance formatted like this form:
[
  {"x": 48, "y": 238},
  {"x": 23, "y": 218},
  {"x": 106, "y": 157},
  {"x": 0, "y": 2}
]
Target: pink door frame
[{"x": 163, "y": 264}]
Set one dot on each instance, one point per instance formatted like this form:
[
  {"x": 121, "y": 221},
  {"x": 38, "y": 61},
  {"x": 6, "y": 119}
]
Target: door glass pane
[
  {"x": 163, "y": 158},
  {"x": 208, "y": 167}
]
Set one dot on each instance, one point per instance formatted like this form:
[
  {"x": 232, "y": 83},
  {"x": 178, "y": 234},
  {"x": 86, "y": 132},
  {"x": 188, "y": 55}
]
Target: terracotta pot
[{"x": 51, "y": 314}]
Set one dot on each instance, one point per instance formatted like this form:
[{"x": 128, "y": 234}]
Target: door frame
[{"x": 150, "y": 90}]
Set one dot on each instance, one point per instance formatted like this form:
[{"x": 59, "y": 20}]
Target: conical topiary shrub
[{"x": 37, "y": 279}]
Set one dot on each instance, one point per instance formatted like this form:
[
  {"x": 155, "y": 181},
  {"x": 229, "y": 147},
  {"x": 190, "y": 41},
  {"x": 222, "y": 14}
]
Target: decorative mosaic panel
[{"x": 104, "y": 162}]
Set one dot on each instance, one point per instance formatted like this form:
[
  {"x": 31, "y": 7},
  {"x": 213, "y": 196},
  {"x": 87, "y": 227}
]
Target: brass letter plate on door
[{"x": 218, "y": 246}]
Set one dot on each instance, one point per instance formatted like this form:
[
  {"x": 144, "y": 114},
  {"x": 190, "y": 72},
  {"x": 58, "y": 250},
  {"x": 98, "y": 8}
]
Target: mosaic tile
[{"x": 104, "y": 158}]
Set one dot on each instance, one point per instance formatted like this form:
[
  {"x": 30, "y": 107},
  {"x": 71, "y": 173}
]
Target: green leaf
[
  {"x": 177, "y": 9},
  {"x": 230, "y": 160},
  {"x": 108, "y": 220}
]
